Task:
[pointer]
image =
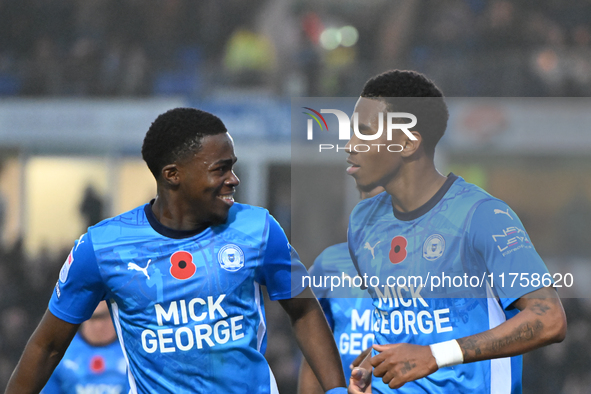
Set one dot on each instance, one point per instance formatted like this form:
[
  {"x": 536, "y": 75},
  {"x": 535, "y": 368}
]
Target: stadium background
[{"x": 80, "y": 82}]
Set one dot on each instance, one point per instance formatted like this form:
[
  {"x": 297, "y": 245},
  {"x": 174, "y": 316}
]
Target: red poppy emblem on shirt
[
  {"x": 182, "y": 265},
  {"x": 398, "y": 249},
  {"x": 97, "y": 364}
]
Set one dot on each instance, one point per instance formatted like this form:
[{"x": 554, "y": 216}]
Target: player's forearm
[
  {"x": 316, "y": 341},
  {"x": 33, "y": 370},
  {"x": 318, "y": 346},
  {"x": 540, "y": 322},
  {"x": 307, "y": 381},
  {"x": 42, "y": 354}
]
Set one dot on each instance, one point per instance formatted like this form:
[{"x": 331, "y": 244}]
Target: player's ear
[
  {"x": 170, "y": 174},
  {"x": 411, "y": 146}
]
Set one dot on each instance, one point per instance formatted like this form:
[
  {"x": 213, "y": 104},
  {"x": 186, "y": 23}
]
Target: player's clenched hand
[
  {"x": 360, "y": 381},
  {"x": 402, "y": 362}
]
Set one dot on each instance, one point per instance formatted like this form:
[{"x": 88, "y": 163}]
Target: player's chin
[
  {"x": 365, "y": 186},
  {"x": 220, "y": 216}
]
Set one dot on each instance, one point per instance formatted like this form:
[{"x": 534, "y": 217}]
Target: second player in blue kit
[{"x": 435, "y": 334}]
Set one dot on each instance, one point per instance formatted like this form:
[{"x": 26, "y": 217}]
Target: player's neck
[
  {"x": 414, "y": 185},
  {"x": 175, "y": 215}
]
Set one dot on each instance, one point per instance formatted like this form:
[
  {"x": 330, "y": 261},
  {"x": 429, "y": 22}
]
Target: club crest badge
[
  {"x": 231, "y": 258},
  {"x": 433, "y": 247}
]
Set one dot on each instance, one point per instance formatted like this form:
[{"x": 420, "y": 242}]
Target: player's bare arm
[
  {"x": 315, "y": 339},
  {"x": 541, "y": 321},
  {"x": 307, "y": 381},
  {"x": 42, "y": 354}
]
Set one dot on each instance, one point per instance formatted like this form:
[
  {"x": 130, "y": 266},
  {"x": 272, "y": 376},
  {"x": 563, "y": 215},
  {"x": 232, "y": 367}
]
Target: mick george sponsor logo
[
  {"x": 197, "y": 323},
  {"x": 402, "y": 309},
  {"x": 402, "y": 121},
  {"x": 360, "y": 336}
]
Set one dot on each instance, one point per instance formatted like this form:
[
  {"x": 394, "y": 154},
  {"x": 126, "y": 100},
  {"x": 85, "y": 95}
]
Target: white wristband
[{"x": 447, "y": 353}]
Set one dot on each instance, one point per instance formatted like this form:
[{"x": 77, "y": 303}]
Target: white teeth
[{"x": 227, "y": 198}]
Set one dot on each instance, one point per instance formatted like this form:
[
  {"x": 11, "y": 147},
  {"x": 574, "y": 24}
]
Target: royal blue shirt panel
[
  {"x": 80, "y": 287},
  {"x": 282, "y": 270}
]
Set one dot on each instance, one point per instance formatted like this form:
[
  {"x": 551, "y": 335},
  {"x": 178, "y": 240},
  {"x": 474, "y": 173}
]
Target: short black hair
[
  {"x": 431, "y": 113},
  {"x": 176, "y": 134}
]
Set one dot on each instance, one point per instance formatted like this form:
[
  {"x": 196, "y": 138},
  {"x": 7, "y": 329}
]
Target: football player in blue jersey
[
  {"x": 433, "y": 332},
  {"x": 348, "y": 311},
  {"x": 94, "y": 362},
  {"x": 182, "y": 276}
]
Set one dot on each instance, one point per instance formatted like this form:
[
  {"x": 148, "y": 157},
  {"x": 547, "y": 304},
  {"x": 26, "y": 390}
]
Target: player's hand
[
  {"x": 360, "y": 381},
  {"x": 400, "y": 363},
  {"x": 360, "y": 358}
]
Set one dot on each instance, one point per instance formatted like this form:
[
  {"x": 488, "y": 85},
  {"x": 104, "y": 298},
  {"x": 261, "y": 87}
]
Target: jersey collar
[{"x": 423, "y": 209}]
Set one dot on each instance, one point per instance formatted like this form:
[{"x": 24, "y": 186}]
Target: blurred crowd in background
[
  {"x": 136, "y": 48},
  {"x": 291, "y": 47}
]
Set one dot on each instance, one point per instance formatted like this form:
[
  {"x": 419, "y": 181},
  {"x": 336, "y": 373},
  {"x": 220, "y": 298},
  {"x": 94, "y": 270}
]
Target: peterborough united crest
[
  {"x": 231, "y": 258},
  {"x": 433, "y": 247}
]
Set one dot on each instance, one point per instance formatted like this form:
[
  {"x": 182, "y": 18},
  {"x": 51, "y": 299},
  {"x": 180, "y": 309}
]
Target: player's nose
[
  {"x": 232, "y": 180},
  {"x": 348, "y": 148}
]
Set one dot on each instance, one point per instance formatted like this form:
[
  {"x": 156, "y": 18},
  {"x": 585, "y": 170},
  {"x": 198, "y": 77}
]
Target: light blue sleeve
[
  {"x": 80, "y": 286},
  {"x": 500, "y": 240},
  {"x": 281, "y": 271}
]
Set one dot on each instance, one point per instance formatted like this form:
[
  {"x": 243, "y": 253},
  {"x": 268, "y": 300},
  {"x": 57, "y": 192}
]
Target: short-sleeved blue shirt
[
  {"x": 187, "y": 308},
  {"x": 461, "y": 244}
]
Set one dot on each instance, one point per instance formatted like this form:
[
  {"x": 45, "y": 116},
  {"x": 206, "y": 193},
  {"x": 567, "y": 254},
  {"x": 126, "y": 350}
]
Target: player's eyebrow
[{"x": 230, "y": 161}]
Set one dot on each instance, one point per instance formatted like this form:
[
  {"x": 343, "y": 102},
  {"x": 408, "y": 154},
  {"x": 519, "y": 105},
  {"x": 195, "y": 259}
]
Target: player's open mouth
[
  {"x": 227, "y": 198},
  {"x": 353, "y": 168}
]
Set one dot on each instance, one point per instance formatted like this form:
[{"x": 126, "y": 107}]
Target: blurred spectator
[
  {"x": 249, "y": 57},
  {"x": 91, "y": 207}
]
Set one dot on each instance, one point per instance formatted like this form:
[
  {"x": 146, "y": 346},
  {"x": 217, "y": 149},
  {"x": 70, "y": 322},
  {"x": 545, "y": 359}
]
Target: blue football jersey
[
  {"x": 89, "y": 369},
  {"x": 348, "y": 309},
  {"x": 445, "y": 271},
  {"x": 187, "y": 308}
]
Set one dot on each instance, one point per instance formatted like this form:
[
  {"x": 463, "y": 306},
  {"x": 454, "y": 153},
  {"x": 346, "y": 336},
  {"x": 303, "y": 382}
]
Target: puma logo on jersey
[
  {"x": 497, "y": 211},
  {"x": 80, "y": 242},
  {"x": 135, "y": 267},
  {"x": 371, "y": 248}
]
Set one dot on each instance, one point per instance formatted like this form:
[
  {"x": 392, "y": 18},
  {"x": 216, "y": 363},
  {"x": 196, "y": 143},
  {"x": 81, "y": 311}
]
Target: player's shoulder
[
  {"x": 247, "y": 210},
  {"x": 127, "y": 223},
  {"x": 248, "y": 223},
  {"x": 134, "y": 217},
  {"x": 334, "y": 251},
  {"x": 335, "y": 258},
  {"x": 375, "y": 206},
  {"x": 464, "y": 192},
  {"x": 471, "y": 191},
  {"x": 245, "y": 215}
]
